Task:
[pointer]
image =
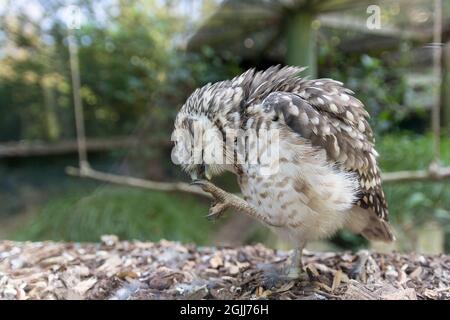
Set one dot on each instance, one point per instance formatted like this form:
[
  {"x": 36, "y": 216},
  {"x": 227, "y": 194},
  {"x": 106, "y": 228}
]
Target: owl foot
[
  {"x": 224, "y": 200},
  {"x": 360, "y": 267},
  {"x": 274, "y": 277},
  {"x": 221, "y": 198}
]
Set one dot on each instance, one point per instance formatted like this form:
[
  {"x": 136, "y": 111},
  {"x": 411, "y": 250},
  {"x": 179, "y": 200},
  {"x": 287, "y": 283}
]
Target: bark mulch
[{"x": 114, "y": 269}]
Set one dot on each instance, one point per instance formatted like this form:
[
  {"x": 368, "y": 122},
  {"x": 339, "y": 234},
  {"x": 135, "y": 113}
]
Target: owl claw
[
  {"x": 205, "y": 185},
  {"x": 213, "y": 216},
  {"x": 216, "y": 210},
  {"x": 220, "y": 204},
  {"x": 196, "y": 182}
]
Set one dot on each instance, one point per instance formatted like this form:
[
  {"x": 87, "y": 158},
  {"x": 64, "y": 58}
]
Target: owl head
[{"x": 201, "y": 128}]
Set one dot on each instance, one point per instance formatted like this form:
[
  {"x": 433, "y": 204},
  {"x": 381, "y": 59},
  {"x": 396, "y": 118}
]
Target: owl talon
[
  {"x": 216, "y": 210},
  {"x": 206, "y": 186},
  {"x": 213, "y": 216},
  {"x": 197, "y": 182}
]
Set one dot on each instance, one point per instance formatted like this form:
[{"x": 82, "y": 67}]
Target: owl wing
[{"x": 332, "y": 119}]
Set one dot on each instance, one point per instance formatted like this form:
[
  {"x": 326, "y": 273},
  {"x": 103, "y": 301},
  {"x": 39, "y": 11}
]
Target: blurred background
[{"x": 137, "y": 61}]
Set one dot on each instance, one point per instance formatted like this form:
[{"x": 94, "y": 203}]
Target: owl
[{"x": 302, "y": 151}]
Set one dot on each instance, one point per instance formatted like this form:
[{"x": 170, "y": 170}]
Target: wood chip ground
[{"x": 113, "y": 269}]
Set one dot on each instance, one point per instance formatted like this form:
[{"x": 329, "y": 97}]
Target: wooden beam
[
  {"x": 301, "y": 42},
  {"x": 27, "y": 149},
  {"x": 347, "y": 22},
  {"x": 340, "y": 5}
]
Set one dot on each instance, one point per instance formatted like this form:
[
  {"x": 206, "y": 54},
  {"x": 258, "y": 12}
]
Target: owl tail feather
[
  {"x": 369, "y": 225},
  {"x": 378, "y": 231}
]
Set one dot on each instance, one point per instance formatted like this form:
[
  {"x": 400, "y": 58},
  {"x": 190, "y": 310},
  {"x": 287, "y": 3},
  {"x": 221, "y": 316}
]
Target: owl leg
[
  {"x": 360, "y": 267},
  {"x": 224, "y": 200},
  {"x": 294, "y": 271}
]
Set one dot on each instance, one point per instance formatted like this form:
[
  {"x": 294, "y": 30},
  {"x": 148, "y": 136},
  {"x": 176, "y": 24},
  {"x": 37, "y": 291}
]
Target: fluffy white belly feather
[{"x": 307, "y": 196}]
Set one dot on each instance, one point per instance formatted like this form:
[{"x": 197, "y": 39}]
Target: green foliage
[
  {"x": 132, "y": 73},
  {"x": 409, "y": 152},
  {"x": 415, "y": 202},
  {"x": 380, "y": 82},
  {"x": 125, "y": 212}
]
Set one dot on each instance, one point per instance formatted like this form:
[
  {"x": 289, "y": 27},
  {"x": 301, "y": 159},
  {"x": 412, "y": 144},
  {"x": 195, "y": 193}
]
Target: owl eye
[{"x": 275, "y": 118}]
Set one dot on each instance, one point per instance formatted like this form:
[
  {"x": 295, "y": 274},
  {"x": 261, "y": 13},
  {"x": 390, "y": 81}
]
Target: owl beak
[
  {"x": 194, "y": 175},
  {"x": 208, "y": 173},
  {"x": 204, "y": 171}
]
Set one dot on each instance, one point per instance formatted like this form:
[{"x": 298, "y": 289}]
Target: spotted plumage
[{"x": 327, "y": 175}]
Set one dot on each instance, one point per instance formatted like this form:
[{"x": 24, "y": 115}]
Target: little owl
[{"x": 321, "y": 177}]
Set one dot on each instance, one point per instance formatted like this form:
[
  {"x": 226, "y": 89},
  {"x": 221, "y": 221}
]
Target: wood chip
[
  {"x": 145, "y": 270},
  {"x": 127, "y": 274},
  {"x": 259, "y": 291},
  {"x": 402, "y": 294},
  {"x": 216, "y": 262},
  {"x": 286, "y": 287},
  {"x": 109, "y": 240},
  {"x": 336, "y": 280},
  {"x": 83, "y": 286},
  {"x": 313, "y": 270},
  {"x": 416, "y": 273},
  {"x": 233, "y": 270}
]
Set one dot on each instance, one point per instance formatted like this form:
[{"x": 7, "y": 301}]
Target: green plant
[{"x": 126, "y": 212}]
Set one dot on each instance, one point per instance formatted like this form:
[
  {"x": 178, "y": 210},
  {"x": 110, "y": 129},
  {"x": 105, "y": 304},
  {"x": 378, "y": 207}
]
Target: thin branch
[
  {"x": 87, "y": 172},
  {"x": 400, "y": 176},
  {"x": 420, "y": 175}
]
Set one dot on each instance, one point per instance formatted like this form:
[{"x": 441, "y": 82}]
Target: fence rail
[{"x": 36, "y": 148}]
